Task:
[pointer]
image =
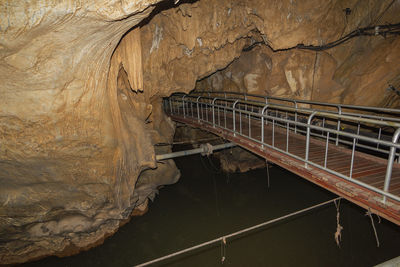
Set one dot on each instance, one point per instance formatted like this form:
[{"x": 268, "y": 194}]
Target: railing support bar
[
  {"x": 338, "y": 124},
  {"x": 198, "y": 110},
  {"x": 183, "y": 104},
  {"x": 262, "y": 124},
  {"x": 308, "y": 137},
  {"x": 234, "y": 117},
  {"x": 213, "y": 111},
  {"x": 389, "y": 168}
]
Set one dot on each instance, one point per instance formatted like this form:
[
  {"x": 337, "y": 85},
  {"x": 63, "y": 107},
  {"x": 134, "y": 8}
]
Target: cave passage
[
  {"x": 82, "y": 121},
  {"x": 207, "y": 203}
]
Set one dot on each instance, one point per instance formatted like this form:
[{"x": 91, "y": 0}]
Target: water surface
[{"x": 206, "y": 204}]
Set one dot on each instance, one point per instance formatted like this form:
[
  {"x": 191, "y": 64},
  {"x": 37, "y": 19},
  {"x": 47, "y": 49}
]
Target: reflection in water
[{"x": 205, "y": 204}]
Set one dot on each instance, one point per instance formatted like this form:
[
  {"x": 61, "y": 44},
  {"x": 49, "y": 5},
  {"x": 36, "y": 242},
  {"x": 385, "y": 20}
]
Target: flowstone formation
[
  {"x": 82, "y": 82},
  {"x": 359, "y": 73},
  {"x": 77, "y": 128}
]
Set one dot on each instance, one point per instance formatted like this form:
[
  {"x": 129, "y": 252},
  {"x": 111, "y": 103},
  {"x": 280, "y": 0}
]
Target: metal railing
[{"x": 367, "y": 129}]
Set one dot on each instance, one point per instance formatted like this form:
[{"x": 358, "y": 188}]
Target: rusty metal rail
[{"x": 335, "y": 139}]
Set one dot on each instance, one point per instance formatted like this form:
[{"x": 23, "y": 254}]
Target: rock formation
[
  {"x": 74, "y": 135},
  {"x": 81, "y": 88}
]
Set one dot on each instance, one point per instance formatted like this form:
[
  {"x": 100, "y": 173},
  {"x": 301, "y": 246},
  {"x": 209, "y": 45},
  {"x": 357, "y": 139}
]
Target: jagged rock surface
[
  {"x": 80, "y": 109},
  {"x": 320, "y": 76},
  {"x": 68, "y": 161}
]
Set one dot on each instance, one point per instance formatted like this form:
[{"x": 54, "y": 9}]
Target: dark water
[{"x": 204, "y": 205}]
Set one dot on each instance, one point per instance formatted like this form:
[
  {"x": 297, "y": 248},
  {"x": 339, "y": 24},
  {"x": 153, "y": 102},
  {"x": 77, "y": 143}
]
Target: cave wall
[
  {"x": 191, "y": 41},
  {"x": 82, "y": 81},
  {"x": 62, "y": 184},
  {"x": 358, "y": 73}
]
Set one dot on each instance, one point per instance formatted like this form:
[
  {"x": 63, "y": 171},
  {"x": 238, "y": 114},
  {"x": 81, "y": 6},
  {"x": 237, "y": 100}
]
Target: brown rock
[{"x": 80, "y": 108}]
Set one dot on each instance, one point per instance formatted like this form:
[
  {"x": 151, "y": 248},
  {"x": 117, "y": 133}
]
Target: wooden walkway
[{"x": 366, "y": 168}]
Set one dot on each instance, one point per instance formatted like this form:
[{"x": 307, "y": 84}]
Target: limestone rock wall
[
  {"x": 81, "y": 87},
  {"x": 362, "y": 78},
  {"x": 356, "y": 72},
  {"x": 68, "y": 163},
  {"x": 193, "y": 40}
]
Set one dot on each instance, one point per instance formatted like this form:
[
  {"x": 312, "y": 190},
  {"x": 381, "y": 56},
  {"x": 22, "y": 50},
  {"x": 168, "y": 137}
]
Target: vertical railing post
[
  {"x": 206, "y": 103},
  {"x": 308, "y": 137},
  {"x": 262, "y": 124},
  {"x": 379, "y": 136},
  {"x": 295, "y": 116},
  {"x": 198, "y": 110},
  {"x": 338, "y": 125},
  {"x": 245, "y": 106},
  {"x": 183, "y": 104},
  {"x": 250, "y": 122},
  {"x": 273, "y": 131},
  {"x": 287, "y": 135},
  {"x": 326, "y": 149},
  {"x": 266, "y": 103},
  {"x": 170, "y": 105},
  {"x": 352, "y": 157},
  {"x": 389, "y": 168},
  {"x": 234, "y": 117},
  {"x": 213, "y": 111},
  {"x": 191, "y": 107},
  {"x": 226, "y": 105},
  {"x": 218, "y": 116},
  {"x": 240, "y": 120}
]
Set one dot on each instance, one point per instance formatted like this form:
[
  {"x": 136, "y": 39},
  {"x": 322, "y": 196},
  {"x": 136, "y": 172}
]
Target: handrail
[
  {"x": 354, "y": 118},
  {"x": 332, "y": 105},
  {"x": 306, "y": 101},
  {"x": 350, "y": 135},
  {"x": 271, "y": 112},
  {"x": 310, "y": 111}
]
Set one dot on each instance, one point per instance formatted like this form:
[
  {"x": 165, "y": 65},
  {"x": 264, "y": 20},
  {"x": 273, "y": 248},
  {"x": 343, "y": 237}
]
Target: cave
[{"x": 82, "y": 118}]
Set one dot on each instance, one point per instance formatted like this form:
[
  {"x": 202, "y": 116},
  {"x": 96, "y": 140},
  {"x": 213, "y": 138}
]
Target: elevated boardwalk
[{"x": 349, "y": 150}]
